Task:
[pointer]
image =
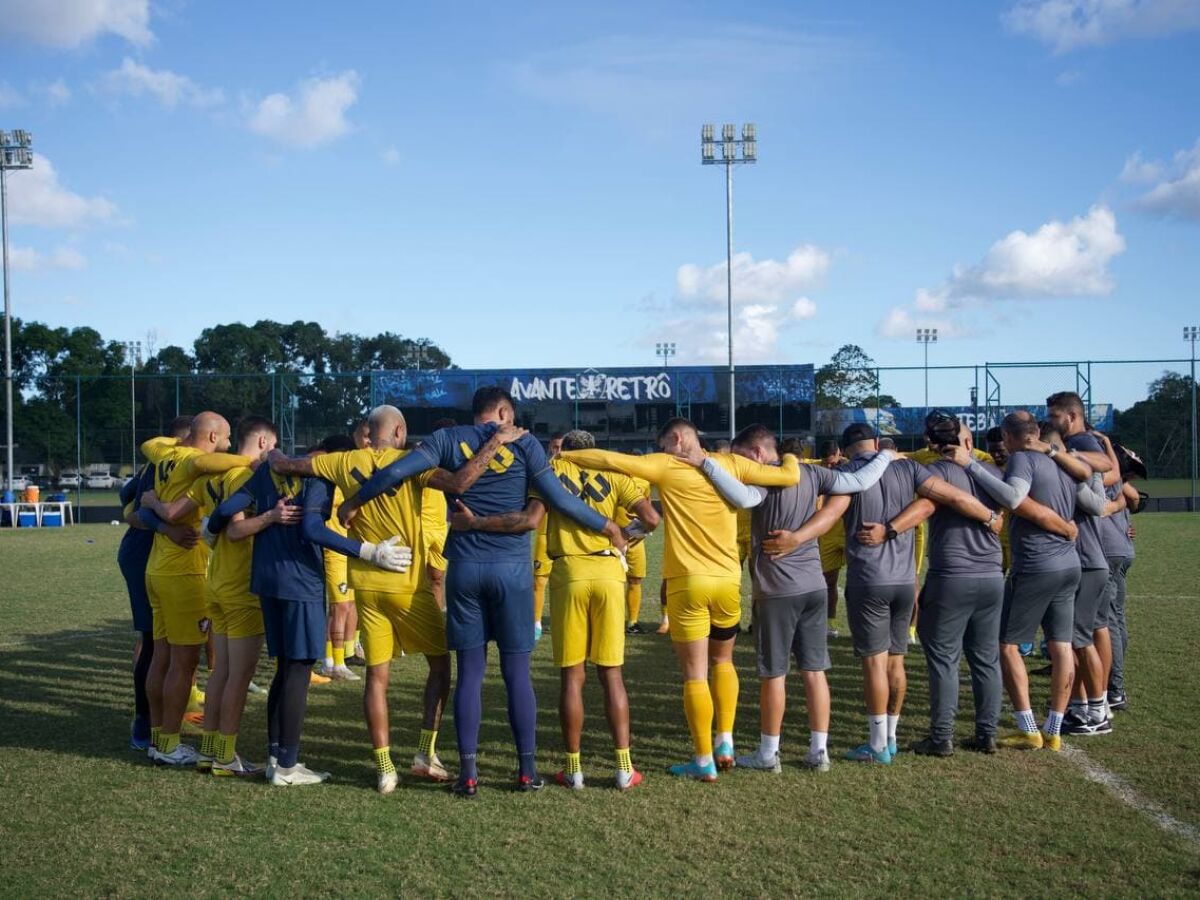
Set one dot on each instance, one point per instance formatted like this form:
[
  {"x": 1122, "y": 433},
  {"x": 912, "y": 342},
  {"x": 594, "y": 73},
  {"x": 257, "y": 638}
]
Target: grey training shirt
[
  {"x": 960, "y": 547},
  {"x": 786, "y": 509},
  {"x": 892, "y": 561},
  {"x": 1114, "y": 529},
  {"x": 1091, "y": 552},
  {"x": 1035, "y": 550}
]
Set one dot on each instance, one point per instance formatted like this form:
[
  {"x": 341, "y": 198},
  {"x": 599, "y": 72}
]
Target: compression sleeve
[
  {"x": 318, "y": 499},
  {"x": 425, "y": 456},
  {"x": 859, "y": 480},
  {"x": 150, "y": 519},
  {"x": 1090, "y": 496},
  {"x": 553, "y": 494},
  {"x": 736, "y": 494},
  {"x": 1008, "y": 493}
]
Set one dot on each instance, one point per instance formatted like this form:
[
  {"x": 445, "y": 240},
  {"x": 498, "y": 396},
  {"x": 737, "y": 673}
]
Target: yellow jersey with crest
[
  {"x": 229, "y": 562},
  {"x": 396, "y": 513},
  {"x": 586, "y": 553}
]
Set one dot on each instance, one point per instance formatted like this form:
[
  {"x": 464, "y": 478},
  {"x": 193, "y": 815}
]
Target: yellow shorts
[
  {"x": 391, "y": 622},
  {"x": 434, "y": 555},
  {"x": 216, "y": 617},
  {"x": 237, "y": 616},
  {"x": 698, "y": 603},
  {"x": 589, "y": 619},
  {"x": 919, "y": 542},
  {"x": 542, "y": 567},
  {"x": 636, "y": 557},
  {"x": 833, "y": 551},
  {"x": 336, "y": 588},
  {"x": 179, "y": 602}
]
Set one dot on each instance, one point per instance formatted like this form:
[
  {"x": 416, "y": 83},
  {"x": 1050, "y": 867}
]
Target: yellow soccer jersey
[
  {"x": 175, "y": 470},
  {"x": 397, "y": 513},
  {"x": 624, "y": 516},
  {"x": 701, "y": 528},
  {"x": 435, "y": 526},
  {"x": 926, "y": 455},
  {"x": 336, "y": 563},
  {"x": 605, "y": 492},
  {"x": 229, "y": 563}
]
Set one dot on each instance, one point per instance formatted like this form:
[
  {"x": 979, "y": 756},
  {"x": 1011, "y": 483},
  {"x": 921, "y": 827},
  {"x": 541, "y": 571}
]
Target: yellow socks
[
  {"x": 633, "y": 602},
  {"x": 573, "y": 766},
  {"x": 624, "y": 762},
  {"x": 167, "y": 742},
  {"x": 724, "y": 684},
  {"x": 155, "y": 735},
  {"x": 428, "y": 742},
  {"x": 208, "y": 743},
  {"x": 226, "y": 748},
  {"x": 539, "y": 596},
  {"x": 339, "y": 655},
  {"x": 698, "y": 707},
  {"x": 383, "y": 760}
]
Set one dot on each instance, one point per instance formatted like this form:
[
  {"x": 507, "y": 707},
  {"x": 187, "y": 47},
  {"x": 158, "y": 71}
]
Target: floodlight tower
[
  {"x": 925, "y": 337},
  {"x": 133, "y": 356},
  {"x": 15, "y": 153},
  {"x": 665, "y": 350},
  {"x": 729, "y": 158},
  {"x": 1190, "y": 334}
]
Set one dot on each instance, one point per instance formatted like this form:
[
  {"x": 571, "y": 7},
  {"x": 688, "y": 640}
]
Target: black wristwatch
[{"x": 890, "y": 533}]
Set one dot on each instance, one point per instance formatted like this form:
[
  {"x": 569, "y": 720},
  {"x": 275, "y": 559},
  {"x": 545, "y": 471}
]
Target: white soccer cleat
[
  {"x": 182, "y": 755},
  {"x": 341, "y": 673},
  {"x": 272, "y": 765},
  {"x": 237, "y": 768},
  {"x": 759, "y": 763},
  {"x": 429, "y": 767},
  {"x": 387, "y": 782},
  {"x": 573, "y": 781},
  {"x": 297, "y": 774},
  {"x": 817, "y": 760}
]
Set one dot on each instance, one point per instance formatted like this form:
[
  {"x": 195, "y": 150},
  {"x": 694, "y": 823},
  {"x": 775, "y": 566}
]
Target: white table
[{"x": 39, "y": 510}]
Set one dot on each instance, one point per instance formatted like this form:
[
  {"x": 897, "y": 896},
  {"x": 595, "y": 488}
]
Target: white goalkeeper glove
[
  {"x": 635, "y": 531},
  {"x": 207, "y": 536},
  {"x": 387, "y": 555}
]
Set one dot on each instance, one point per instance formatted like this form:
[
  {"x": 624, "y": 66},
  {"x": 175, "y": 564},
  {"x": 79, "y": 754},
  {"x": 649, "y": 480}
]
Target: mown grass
[{"x": 79, "y": 813}]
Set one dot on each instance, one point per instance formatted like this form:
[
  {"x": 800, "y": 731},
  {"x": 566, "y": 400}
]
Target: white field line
[
  {"x": 1124, "y": 792},
  {"x": 58, "y": 638}
]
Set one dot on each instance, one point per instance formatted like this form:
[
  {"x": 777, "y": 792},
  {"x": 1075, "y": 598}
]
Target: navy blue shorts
[
  {"x": 134, "y": 571},
  {"x": 489, "y": 602},
  {"x": 295, "y": 629}
]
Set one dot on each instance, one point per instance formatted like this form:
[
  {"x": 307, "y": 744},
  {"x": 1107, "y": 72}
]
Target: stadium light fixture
[
  {"x": 730, "y": 144},
  {"x": 665, "y": 350},
  {"x": 925, "y": 337},
  {"x": 1190, "y": 334},
  {"x": 15, "y": 153},
  {"x": 133, "y": 357}
]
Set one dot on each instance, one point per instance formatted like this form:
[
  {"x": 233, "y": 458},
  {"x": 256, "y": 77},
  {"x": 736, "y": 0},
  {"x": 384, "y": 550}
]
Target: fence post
[{"x": 79, "y": 445}]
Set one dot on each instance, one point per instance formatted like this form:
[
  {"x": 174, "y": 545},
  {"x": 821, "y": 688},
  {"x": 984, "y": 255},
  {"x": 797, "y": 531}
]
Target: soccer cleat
[
  {"x": 1078, "y": 726},
  {"x": 237, "y": 768},
  {"x": 864, "y": 753},
  {"x": 253, "y": 688},
  {"x": 465, "y": 788},
  {"x": 138, "y": 744},
  {"x": 356, "y": 660},
  {"x": 635, "y": 628},
  {"x": 204, "y": 763},
  {"x": 182, "y": 756},
  {"x": 1052, "y": 742},
  {"x": 759, "y": 763},
  {"x": 320, "y": 668},
  {"x": 272, "y": 765},
  {"x": 817, "y": 760},
  {"x": 429, "y": 767},
  {"x": 387, "y": 782},
  {"x": 627, "y": 780},
  {"x": 723, "y": 756},
  {"x": 831, "y": 633},
  {"x": 574, "y": 782},
  {"x": 527, "y": 784},
  {"x": 342, "y": 673},
  {"x": 297, "y": 774},
  {"x": 893, "y": 748},
  {"x": 537, "y": 631},
  {"x": 314, "y": 678},
  {"x": 932, "y": 747},
  {"x": 1025, "y": 649},
  {"x": 981, "y": 743},
  {"x": 1022, "y": 740},
  {"x": 1101, "y": 726},
  {"x": 693, "y": 769},
  {"x": 1117, "y": 700}
]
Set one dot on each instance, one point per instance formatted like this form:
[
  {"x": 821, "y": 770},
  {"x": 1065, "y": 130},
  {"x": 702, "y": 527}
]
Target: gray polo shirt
[
  {"x": 961, "y": 547},
  {"x": 892, "y": 561},
  {"x": 1035, "y": 550},
  {"x": 1091, "y": 551},
  {"x": 1114, "y": 529},
  {"x": 786, "y": 509}
]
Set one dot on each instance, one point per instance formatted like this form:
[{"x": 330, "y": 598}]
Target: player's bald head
[
  {"x": 210, "y": 432},
  {"x": 386, "y": 427}
]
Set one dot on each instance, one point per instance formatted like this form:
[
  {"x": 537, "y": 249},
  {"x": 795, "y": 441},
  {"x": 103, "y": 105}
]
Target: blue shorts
[
  {"x": 489, "y": 602},
  {"x": 295, "y": 629},
  {"x": 134, "y": 571}
]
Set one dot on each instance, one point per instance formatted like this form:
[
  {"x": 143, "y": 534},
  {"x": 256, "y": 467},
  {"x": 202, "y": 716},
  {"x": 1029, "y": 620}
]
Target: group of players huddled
[{"x": 426, "y": 551}]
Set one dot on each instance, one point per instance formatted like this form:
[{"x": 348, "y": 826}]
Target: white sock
[
  {"x": 705, "y": 760},
  {"x": 726, "y": 737},
  {"x": 818, "y": 741},
  {"x": 877, "y": 728},
  {"x": 768, "y": 745},
  {"x": 329, "y": 662},
  {"x": 1025, "y": 720},
  {"x": 892, "y": 722}
]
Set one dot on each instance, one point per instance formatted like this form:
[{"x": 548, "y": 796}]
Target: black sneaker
[
  {"x": 1117, "y": 700},
  {"x": 1078, "y": 725},
  {"x": 635, "y": 628},
  {"x": 465, "y": 788},
  {"x": 981, "y": 743},
  {"x": 355, "y": 661},
  {"x": 528, "y": 783},
  {"x": 931, "y": 747},
  {"x": 1104, "y": 726}
]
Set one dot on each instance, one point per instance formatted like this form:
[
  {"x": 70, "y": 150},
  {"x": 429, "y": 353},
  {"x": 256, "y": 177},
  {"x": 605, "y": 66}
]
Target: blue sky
[{"x": 522, "y": 183}]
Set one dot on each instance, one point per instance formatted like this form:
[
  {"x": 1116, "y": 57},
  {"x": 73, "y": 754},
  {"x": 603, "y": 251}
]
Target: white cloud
[
  {"x": 56, "y": 92},
  {"x": 1060, "y": 259},
  {"x": 1174, "y": 187},
  {"x": 391, "y": 156},
  {"x": 169, "y": 88},
  {"x": 70, "y": 23},
  {"x": 1069, "y": 24},
  {"x": 30, "y": 260},
  {"x": 37, "y": 198},
  {"x": 315, "y": 115},
  {"x": 766, "y": 306}
]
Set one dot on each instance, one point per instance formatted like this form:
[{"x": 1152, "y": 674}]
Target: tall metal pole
[
  {"x": 132, "y": 417},
  {"x": 8, "y": 369},
  {"x": 926, "y": 378},
  {"x": 1193, "y": 335},
  {"x": 729, "y": 293}
]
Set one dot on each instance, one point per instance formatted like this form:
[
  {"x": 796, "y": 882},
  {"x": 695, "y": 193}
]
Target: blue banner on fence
[
  {"x": 911, "y": 420},
  {"x": 452, "y": 388}
]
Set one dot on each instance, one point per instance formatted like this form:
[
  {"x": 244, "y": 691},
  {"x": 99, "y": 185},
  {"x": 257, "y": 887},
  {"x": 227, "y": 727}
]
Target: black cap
[{"x": 859, "y": 431}]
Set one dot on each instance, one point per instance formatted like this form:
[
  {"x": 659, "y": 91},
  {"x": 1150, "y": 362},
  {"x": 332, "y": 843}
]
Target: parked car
[
  {"x": 19, "y": 483},
  {"x": 100, "y": 482},
  {"x": 69, "y": 480}
]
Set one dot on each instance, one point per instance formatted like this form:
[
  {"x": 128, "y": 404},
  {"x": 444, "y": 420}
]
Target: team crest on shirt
[
  {"x": 343, "y": 588},
  {"x": 204, "y": 625}
]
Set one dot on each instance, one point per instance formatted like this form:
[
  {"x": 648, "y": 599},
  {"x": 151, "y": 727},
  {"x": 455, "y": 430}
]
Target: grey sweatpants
[
  {"x": 962, "y": 616},
  {"x": 1118, "y": 631}
]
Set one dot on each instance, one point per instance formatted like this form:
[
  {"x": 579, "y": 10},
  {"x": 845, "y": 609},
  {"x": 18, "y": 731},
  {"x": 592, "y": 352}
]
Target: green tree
[
  {"x": 1158, "y": 428},
  {"x": 850, "y": 379}
]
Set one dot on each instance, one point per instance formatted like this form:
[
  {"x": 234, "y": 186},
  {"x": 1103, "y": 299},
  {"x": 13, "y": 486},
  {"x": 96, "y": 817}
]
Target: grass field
[{"x": 81, "y": 814}]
